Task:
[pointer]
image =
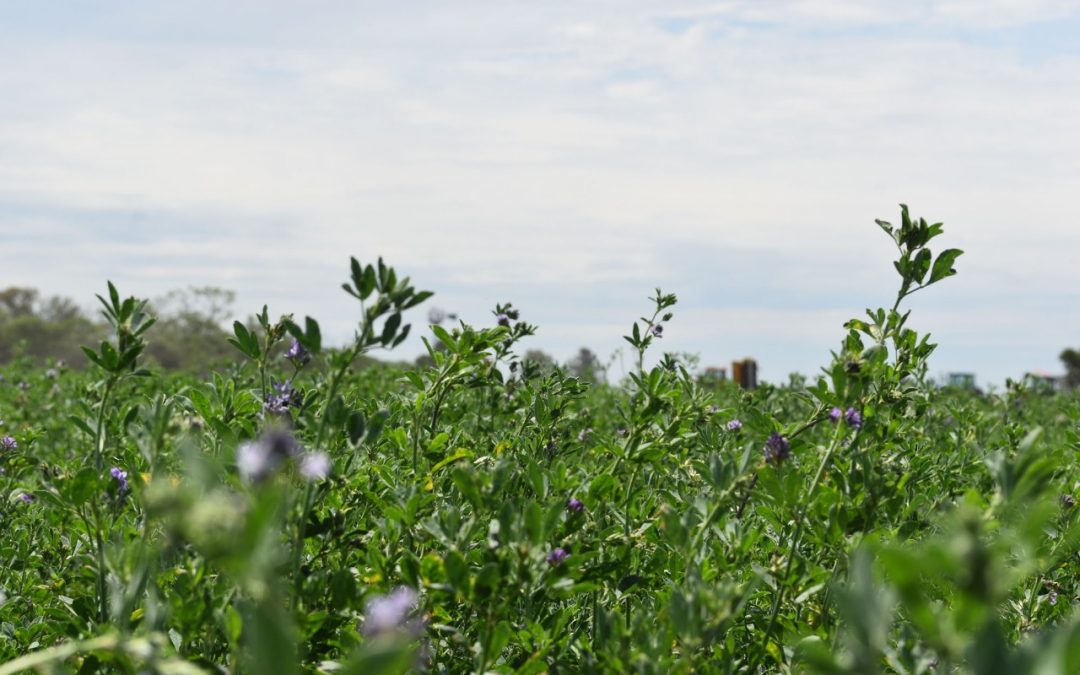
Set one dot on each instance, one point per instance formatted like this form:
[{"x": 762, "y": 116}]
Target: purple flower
[
  {"x": 297, "y": 354},
  {"x": 853, "y": 418},
  {"x": 575, "y": 505},
  {"x": 835, "y": 414},
  {"x": 777, "y": 448},
  {"x": 8, "y": 443},
  {"x": 391, "y": 613},
  {"x": 657, "y": 330},
  {"x": 27, "y": 498},
  {"x": 503, "y": 319},
  {"x": 734, "y": 425},
  {"x": 584, "y": 434},
  {"x": 120, "y": 476},
  {"x": 557, "y": 557},
  {"x": 621, "y": 432}
]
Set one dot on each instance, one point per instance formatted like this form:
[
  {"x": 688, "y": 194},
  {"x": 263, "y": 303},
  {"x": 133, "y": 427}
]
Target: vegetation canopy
[{"x": 488, "y": 511}]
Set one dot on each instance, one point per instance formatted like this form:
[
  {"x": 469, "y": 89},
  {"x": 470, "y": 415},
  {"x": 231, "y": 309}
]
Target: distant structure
[
  {"x": 961, "y": 381},
  {"x": 745, "y": 373},
  {"x": 1042, "y": 381},
  {"x": 714, "y": 374}
]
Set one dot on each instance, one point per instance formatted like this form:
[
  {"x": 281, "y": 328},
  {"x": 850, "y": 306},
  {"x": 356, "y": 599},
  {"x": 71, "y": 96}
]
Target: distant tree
[
  {"x": 587, "y": 366},
  {"x": 190, "y": 331},
  {"x": 540, "y": 358},
  {"x": 1071, "y": 359},
  {"x": 16, "y": 301},
  {"x": 50, "y": 329}
]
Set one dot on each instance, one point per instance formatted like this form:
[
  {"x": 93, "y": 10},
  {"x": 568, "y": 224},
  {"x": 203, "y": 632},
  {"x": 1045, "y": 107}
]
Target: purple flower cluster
[
  {"x": 657, "y": 330},
  {"x": 8, "y": 443},
  {"x": 281, "y": 399},
  {"x": 584, "y": 434},
  {"x": 120, "y": 476},
  {"x": 503, "y": 319},
  {"x": 777, "y": 448},
  {"x": 852, "y": 416},
  {"x": 575, "y": 505},
  {"x": 557, "y": 557},
  {"x": 298, "y": 355},
  {"x": 27, "y": 498},
  {"x": 734, "y": 425}
]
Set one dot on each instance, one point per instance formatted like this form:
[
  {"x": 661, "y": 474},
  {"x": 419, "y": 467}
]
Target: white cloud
[{"x": 487, "y": 144}]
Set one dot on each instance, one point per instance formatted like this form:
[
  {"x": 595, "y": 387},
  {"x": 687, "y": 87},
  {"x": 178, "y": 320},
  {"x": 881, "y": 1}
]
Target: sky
[{"x": 568, "y": 157}]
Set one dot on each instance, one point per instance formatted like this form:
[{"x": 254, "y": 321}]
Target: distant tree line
[{"x": 189, "y": 334}]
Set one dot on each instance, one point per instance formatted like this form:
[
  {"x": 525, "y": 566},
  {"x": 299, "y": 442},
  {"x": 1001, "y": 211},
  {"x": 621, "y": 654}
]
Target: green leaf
[
  {"x": 367, "y": 283},
  {"x": 375, "y": 425},
  {"x": 380, "y": 657},
  {"x": 921, "y": 265},
  {"x": 357, "y": 425},
  {"x": 417, "y": 299},
  {"x": 390, "y": 328},
  {"x": 445, "y": 338},
  {"x": 401, "y": 336},
  {"x": 500, "y": 637},
  {"x": 943, "y": 266},
  {"x": 93, "y": 356},
  {"x": 313, "y": 335}
]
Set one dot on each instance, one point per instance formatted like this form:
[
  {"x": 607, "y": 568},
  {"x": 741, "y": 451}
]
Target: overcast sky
[{"x": 566, "y": 156}]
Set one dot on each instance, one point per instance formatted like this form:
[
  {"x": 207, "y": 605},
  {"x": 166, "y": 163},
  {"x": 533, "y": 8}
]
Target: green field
[{"x": 300, "y": 513}]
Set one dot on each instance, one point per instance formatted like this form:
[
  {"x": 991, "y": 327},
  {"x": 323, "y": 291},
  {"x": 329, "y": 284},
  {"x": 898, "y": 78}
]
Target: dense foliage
[{"x": 488, "y": 513}]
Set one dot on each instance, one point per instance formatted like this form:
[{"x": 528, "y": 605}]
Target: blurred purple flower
[
  {"x": 315, "y": 466},
  {"x": 734, "y": 425},
  {"x": 777, "y": 448},
  {"x": 584, "y": 434},
  {"x": 503, "y": 319},
  {"x": 621, "y": 432},
  {"x": 52, "y": 373},
  {"x": 27, "y": 497},
  {"x": 8, "y": 443},
  {"x": 575, "y": 505},
  {"x": 557, "y": 557},
  {"x": 835, "y": 414},
  {"x": 657, "y": 330},
  {"x": 258, "y": 460},
  {"x": 390, "y": 613},
  {"x": 853, "y": 418}
]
